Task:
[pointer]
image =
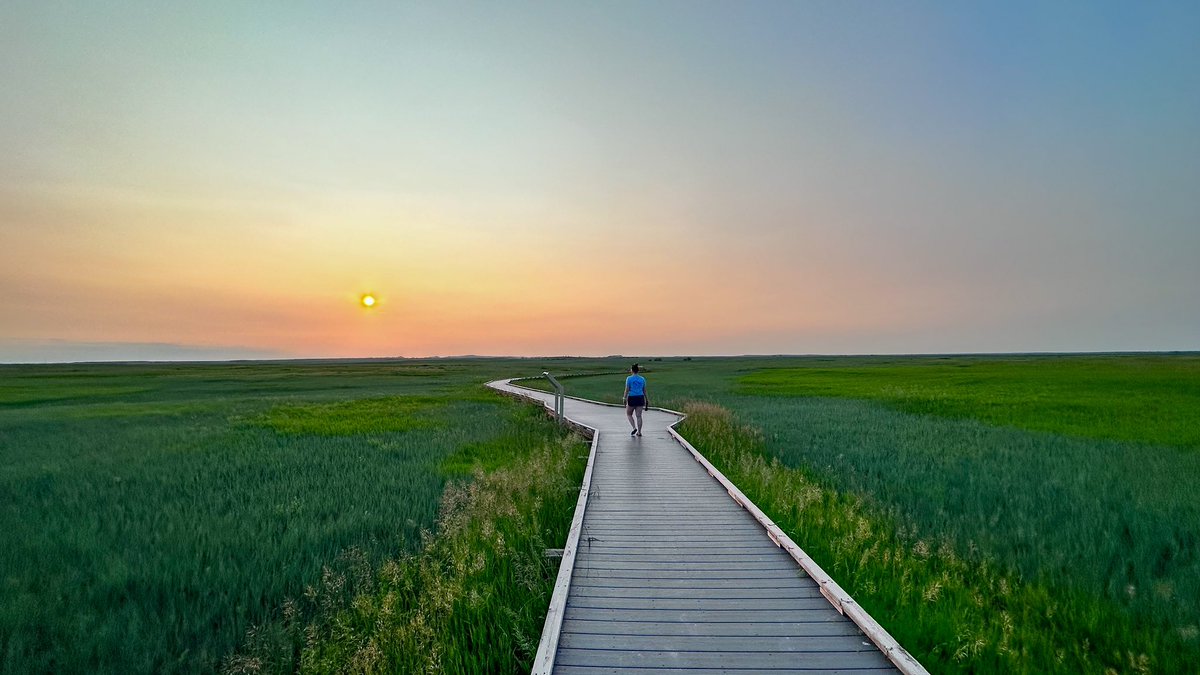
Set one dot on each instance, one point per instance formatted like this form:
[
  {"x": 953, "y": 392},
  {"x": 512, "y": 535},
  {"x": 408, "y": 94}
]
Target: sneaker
[
  {"x": 633, "y": 433},
  {"x": 639, "y": 433}
]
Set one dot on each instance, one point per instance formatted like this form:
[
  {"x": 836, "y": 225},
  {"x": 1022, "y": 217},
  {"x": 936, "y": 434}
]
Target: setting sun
[{"x": 368, "y": 300}]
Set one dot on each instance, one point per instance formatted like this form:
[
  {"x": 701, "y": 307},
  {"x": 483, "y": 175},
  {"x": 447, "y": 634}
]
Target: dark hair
[{"x": 634, "y": 368}]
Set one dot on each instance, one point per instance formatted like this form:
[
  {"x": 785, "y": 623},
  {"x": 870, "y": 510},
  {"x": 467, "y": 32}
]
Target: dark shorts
[{"x": 637, "y": 402}]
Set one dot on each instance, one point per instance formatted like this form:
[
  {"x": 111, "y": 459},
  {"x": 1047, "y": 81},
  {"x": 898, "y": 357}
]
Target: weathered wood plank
[
  {"x": 705, "y": 643},
  {"x": 710, "y": 524},
  {"x": 668, "y": 531},
  {"x": 824, "y": 628},
  {"x": 653, "y": 495},
  {"x": 617, "y": 542},
  {"x": 699, "y": 561},
  {"x": 646, "y": 544},
  {"x": 624, "y": 558},
  {"x": 661, "y": 485},
  {"x": 699, "y": 616},
  {"x": 681, "y": 545},
  {"x": 772, "y": 592},
  {"x": 725, "y": 670},
  {"x": 595, "y": 573},
  {"x": 603, "y": 509},
  {"x": 671, "y": 582},
  {"x": 597, "y": 546},
  {"x": 716, "y": 659},
  {"x": 665, "y": 490},
  {"x": 695, "y": 604}
]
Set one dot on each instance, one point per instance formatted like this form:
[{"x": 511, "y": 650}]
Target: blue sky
[{"x": 643, "y": 177}]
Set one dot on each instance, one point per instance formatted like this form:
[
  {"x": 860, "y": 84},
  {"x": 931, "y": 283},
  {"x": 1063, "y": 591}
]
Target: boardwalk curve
[{"x": 669, "y": 568}]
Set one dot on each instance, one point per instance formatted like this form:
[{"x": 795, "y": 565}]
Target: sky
[{"x": 227, "y": 179}]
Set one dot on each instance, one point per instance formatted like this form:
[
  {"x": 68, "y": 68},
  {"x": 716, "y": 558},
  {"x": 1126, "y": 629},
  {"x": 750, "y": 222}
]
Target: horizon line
[{"x": 498, "y": 357}]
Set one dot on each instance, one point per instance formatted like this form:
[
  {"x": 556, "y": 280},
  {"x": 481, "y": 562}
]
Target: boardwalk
[{"x": 670, "y": 574}]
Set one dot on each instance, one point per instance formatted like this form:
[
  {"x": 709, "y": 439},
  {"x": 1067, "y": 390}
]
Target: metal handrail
[{"x": 559, "y": 395}]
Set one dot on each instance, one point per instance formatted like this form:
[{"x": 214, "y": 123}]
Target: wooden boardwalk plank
[
  {"x": 705, "y": 643},
  {"x": 803, "y": 611},
  {"x": 683, "y": 570},
  {"x": 698, "y": 604},
  {"x": 620, "y": 658},
  {"x": 691, "y": 564},
  {"x": 686, "y": 629},
  {"x": 624, "y": 543},
  {"x": 671, "y": 583},
  {"x": 731, "y": 591},
  {"x": 726, "y": 670},
  {"x": 761, "y": 557}
]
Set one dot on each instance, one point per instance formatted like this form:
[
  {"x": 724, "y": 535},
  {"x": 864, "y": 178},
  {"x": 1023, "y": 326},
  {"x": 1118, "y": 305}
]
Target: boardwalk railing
[
  {"x": 559, "y": 393},
  {"x": 543, "y": 661},
  {"x": 839, "y": 598}
]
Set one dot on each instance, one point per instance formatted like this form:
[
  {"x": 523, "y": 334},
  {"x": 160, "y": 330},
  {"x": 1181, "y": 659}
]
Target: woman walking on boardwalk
[{"x": 635, "y": 399}]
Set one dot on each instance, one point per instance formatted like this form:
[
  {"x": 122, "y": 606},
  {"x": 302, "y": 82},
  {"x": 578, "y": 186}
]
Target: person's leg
[
  {"x": 639, "y": 420},
  {"x": 629, "y": 416}
]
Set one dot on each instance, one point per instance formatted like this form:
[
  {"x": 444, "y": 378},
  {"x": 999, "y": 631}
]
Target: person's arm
[
  {"x": 645, "y": 395},
  {"x": 625, "y": 396}
]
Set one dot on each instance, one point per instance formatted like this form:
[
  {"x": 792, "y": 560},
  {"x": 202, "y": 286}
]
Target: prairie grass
[
  {"x": 151, "y": 513},
  {"x": 362, "y": 416},
  {"x": 1145, "y": 399},
  {"x": 956, "y": 610},
  {"x": 471, "y": 600},
  {"x": 1106, "y": 518}
]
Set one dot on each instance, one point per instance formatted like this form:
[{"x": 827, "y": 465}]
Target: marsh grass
[
  {"x": 471, "y": 600},
  {"x": 956, "y": 608},
  {"x": 1145, "y": 399},
  {"x": 362, "y": 416},
  {"x": 151, "y": 513}
]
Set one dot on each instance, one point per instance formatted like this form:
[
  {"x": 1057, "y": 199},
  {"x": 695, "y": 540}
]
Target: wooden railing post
[{"x": 559, "y": 396}]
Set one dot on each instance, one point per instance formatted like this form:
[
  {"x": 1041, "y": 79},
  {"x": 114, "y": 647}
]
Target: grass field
[
  {"x": 1018, "y": 514},
  {"x": 1151, "y": 400},
  {"x": 152, "y": 515}
]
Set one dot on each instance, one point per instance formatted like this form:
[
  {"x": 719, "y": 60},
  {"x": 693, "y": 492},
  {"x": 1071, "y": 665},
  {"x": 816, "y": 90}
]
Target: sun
[{"x": 368, "y": 300}]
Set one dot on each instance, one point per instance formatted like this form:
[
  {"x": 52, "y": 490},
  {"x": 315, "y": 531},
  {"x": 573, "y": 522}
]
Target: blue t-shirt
[{"x": 636, "y": 384}]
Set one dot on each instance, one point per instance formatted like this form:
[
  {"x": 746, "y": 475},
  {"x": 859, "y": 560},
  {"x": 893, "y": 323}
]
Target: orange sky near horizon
[{"x": 288, "y": 277}]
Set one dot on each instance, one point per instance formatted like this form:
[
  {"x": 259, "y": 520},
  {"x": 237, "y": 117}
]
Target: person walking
[{"x": 635, "y": 399}]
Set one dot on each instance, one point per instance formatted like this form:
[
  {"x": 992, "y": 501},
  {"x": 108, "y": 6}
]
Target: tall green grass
[
  {"x": 361, "y": 416},
  {"x": 954, "y": 609},
  {"x": 150, "y": 514},
  {"x": 1146, "y": 399},
  {"x": 1105, "y": 515},
  {"x": 471, "y": 600}
]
